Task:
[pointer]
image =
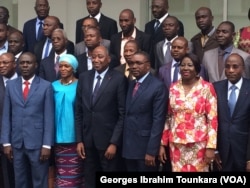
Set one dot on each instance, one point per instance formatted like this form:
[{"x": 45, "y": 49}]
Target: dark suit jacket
[
  {"x": 197, "y": 47},
  {"x": 100, "y": 124},
  {"x": 38, "y": 49},
  {"x": 83, "y": 63},
  {"x": 29, "y": 34},
  {"x": 164, "y": 74},
  {"x": 234, "y": 132},
  {"x": 2, "y": 88},
  {"x": 142, "y": 38},
  {"x": 107, "y": 25},
  {"x": 144, "y": 119}
]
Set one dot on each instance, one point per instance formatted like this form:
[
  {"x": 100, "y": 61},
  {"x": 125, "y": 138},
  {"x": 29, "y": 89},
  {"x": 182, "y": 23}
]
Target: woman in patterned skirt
[
  {"x": 69, "y": 172},
  {"x": 191, "y": 124}
]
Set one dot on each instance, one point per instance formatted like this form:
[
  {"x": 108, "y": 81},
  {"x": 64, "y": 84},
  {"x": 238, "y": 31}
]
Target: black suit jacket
[
  {"x": 29, "y": 34},
  {"x": 142, "y": 38},
  {"x": 38, "y": 49},
  {"x": 108, "y": 27},
  {"x": 101, "y": 123},
  {"x": 83, "y": 63},
  {"x": 233, "y": 132}
]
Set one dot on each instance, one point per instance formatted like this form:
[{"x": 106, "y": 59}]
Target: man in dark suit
[
  {"x": 4, "y": 18},
  {"x": 31, "y": 28},
  {"x": 28, "y": 125},
  {"x": 43, "y": 48},
  {"x": 233, "y": 116},
  {"x": 225, "y": 33},
  {"x": 16, "y": 46},
  {"x": 99, "y": 116},
  {"x": 206, "y": 39},
  {"x": 48, "y": 69},
  {"x": 159, "y": 10},
  {"x": 146, "y": 106},
  {"x": 129, "y": 32},
  {"x": 7, "y": 72},
  {"x": 3, "y": 38},
  {"x": 108, "y": 26}
]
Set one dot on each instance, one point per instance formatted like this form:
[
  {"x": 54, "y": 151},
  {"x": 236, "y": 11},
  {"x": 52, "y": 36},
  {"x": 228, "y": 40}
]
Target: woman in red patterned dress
[{"x": 191, "y": 123}]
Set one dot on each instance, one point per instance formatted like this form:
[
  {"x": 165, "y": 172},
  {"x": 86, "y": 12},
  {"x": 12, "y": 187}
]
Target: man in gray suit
[
  {"x": 81, "y": 47},
  {"x": 28, "y": 125},
  {"x": 225, "y": 33}
]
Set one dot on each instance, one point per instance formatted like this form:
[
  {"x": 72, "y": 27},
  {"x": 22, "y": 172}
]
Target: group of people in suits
[{"x": 126, "y": 85}]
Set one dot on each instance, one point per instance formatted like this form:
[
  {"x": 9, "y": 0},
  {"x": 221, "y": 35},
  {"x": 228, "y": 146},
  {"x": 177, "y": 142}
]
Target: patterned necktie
[
  {"x": 168, "y": 58},
  {"x": 176, "y": 71},
  {"x": 26, "y": 89},
  {"x": 97, "y": 86},
  {"x": 137, "y": 85},
  {"x": 221, "y": 64},
  {"x": 40, "y": 31},
  {"x": 157, "y": 24},
  {"x": 232, "y": 99},
  {"x": 57, "y": 64}
]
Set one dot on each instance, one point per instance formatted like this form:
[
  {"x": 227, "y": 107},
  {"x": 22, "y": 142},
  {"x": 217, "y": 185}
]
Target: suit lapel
[
  {"x": 243, "y": 94},
  {"x": 33, "y": 87}
]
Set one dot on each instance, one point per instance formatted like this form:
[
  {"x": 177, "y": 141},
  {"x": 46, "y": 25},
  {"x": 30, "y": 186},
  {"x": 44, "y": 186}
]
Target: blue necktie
[
  {"x": 232, "y": 99},
  {"x": 97, "y": 86},
  {"x": 176, "y": 71},
  {"x": 40, "y": 31},
  {"x": 46, "y": 54}
]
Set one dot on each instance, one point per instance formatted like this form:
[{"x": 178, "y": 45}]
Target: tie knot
[
  {"x": 40, "y": 23},
  {"x": 98, "y": 77},
  {"x": 222, "y": 52},
  {"x": 233, "y": 87},
  {"x": 176, "y": 65},
  {"x": 49, "y": 40},
  {"x": 57, "y": 59},
  {"x": 26, "y": 82}
]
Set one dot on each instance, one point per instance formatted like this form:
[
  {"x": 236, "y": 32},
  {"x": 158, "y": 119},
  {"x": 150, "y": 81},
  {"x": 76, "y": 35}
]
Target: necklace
[{"x": 68, "y": 83}]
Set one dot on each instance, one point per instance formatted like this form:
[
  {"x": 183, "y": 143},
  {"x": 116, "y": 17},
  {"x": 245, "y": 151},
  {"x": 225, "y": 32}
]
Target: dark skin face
[
  {"x": 129, "y": 50},
  {"x": 4, "y": 17},
  {"x": 204, "y": 20},
  {"x": 15, "y": 42},
  {"x": 170, "y": 28},
  {"x": 139, "y": 66},
  {"x": 66, "y": 70},
  {"x": 187, "y": 69},
  {"x": 93, "y": 7},
  {"x": 58, "y": 41},
  {"x": 3, "y": 33},
  {"x": 159, "y": 8},
  {"x": 224, "y": 35},
  {"x": 91, "y": 38},
  {"x": 49, "y": 26},
  {"x": 7, "y": 65},
  {"x": 87, "y": 23},
  {"x": 179, "y": 48},
  {"x": 27, "y": 65},
  {"x": 234, "y": 68},
  {"x": 127, "y": 22},
  {"x": 100, "y": 59},
  {"x": 42, "y": 9}
]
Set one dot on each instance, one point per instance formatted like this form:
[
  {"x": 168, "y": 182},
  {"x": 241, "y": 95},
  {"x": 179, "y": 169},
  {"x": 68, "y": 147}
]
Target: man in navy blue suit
[
  {"x": 234, "y": 129},
  {"x": 146, "y": 106},
  {"x": 28, "y": 125}
]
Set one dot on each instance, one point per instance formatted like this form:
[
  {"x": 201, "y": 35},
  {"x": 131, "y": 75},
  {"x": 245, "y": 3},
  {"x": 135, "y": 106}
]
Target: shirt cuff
[
  {"x": 7, "y": 144},
  {"x": 46, "y": 146}
]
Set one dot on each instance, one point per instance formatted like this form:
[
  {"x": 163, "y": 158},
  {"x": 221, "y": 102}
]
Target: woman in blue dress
[{"x": 69, "y": 172}]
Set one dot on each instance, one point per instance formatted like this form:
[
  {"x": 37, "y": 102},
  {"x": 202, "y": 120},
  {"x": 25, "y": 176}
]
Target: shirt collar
[
  {"x": 102, "y": 74},
  {"x": 163, "y": 18},
  {"x": 30, "y": 80},
  {"x": 143, "y": 78},
  {"x": 132, "y": 37},
  {"x": 38, "y": 21},
  {"x": 64, "y": 52},
  {"x": 5, "y": 46},
  {"x": 238, "y": 84},
  {"x": 166, "y": 40},
  {"x": 211, "y": 32},
  {"x": 228, "y": 50},
  {"x": 97, "y": 17}
]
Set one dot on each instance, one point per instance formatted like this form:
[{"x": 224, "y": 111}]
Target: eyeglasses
[{"x": 5, "y": 63}]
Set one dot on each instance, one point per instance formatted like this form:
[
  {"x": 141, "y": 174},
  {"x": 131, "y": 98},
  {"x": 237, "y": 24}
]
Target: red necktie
[
  {"x": 136, "y": 88},
  {"x": 26, "y": 89}
]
